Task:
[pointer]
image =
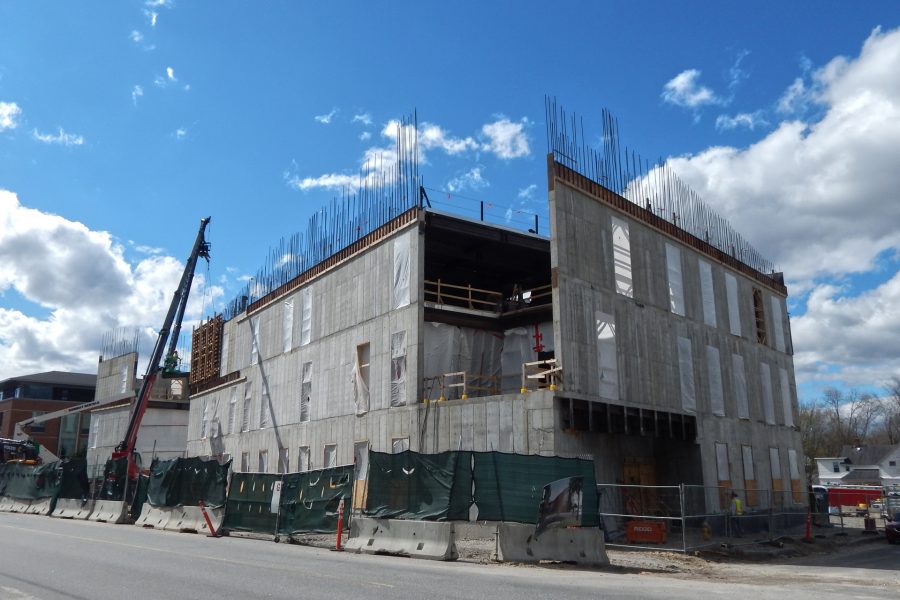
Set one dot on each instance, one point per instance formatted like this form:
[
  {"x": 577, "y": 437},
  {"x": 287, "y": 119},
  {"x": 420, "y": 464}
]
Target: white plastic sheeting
[
  {"x": 361, "y": 460},
  {"x": 622, "y": 257},
  {"x": 265, "y": 409},
  {"x": 123, "y": 377},
  {"x": 303, "y": 459},
  {"x": 305, "y": 391},
  {"x": 716, "y": 395},
  {"x": 245, "y": 410},
  {"x": 306, "y": 318},
  {"x": 722, "y": 467},
  {"x": 287, "y": 325},
  {"x": 607, "y": 359},
  {"x": 254, "y": 340},
  {"x": 778, "y": 323},
  {"x": 451, "y": 349},
  {"x": 708, "y": 294},
  {"x": 740, "y": 386},
  {"x": 400, "y": 291},
  {"x": 204, "y": 419},
  {"x": 223, "y": 365},
  {"x": 747, "y": 459},
  {"x": 330, "y": 456},
  {"x": 787, "y": 405},
  {"x": 765, "y": 380},
  {"x": 734, "y": 315},
  {"x": 775, "y": 461},
  {"x": 676, "y": 284},
  {"x": 398, "y": 368},
  {"x": 232, "y": 409},
  {"x": 792, "y": 464},
  {"x": 686, "y": 375},
  {"x": 517, "y": 347},
  {"x": 360, "y": 387}
]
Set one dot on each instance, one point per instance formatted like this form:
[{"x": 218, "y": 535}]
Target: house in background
[
  {"x": 861, "y": 465},
  {"x": 33, "y": 395}
]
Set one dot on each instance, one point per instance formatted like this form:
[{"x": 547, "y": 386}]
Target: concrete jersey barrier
[
  {"x": 580, "y": 545},
  {"x": 14, "y": 505},
  {"x": 72, "y": 508},
  {"x": 180, "y": 518},
  {"x": 418, "y": 539},
  {"x": 109, "y": 511}
]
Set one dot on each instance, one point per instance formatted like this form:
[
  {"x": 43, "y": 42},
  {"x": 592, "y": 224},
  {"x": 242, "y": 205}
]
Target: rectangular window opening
[
  {"x": 330, "y": 456},
  {"x": 759, "y": 314}
]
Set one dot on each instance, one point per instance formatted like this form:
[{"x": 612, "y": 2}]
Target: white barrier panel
[
  {"x": 15, "y": 505},
  {"x": 109, "y": 511},
  {"x": 156, "y": 517},
  {"x": 582, "y": 545},
  {"x": 418, "y": 539},
  {"x": 72, "y": 508},
  {"x": 39, "y": 507},
  {"x": 180, "y": 518}
]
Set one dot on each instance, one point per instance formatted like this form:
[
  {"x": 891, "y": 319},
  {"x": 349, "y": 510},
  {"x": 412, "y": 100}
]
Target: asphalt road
[{"x": 55, "y": 559}]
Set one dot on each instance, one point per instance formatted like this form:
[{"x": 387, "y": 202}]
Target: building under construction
[{"x": 644, "y": 332}]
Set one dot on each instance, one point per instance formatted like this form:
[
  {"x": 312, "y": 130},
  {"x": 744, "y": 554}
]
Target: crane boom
[{"x": 171, "y": 328}]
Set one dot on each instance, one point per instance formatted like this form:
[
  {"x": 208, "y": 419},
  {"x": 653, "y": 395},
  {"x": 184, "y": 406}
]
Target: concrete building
[
  {"x": 662, "y": 356},
  {"x": 163, "y": 432},
  {"x": 33, "y": 395}
]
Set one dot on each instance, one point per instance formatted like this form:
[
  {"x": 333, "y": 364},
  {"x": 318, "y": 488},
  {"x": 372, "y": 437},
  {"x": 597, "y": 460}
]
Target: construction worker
[{"x": 735, "y": 512}]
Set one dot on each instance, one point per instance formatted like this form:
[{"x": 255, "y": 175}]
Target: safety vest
[{"x": 738, "y": 506}]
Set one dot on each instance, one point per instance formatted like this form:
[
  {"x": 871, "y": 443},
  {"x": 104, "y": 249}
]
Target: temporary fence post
[
  {"x": 340, "y": 524},
  {"x": 278, "y": 507},
  {"x": 683, "y": 520}
]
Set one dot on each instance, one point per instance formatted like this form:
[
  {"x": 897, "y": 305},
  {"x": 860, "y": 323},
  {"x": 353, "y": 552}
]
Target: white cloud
[
  {"x": 9, "y": 114},
  {"x": 330, "y": 181},
  {"x": 62, "y": 138},
  {"x": 795, "y": 98},
  {"x": 527, "y": 193},
  {"x": 431, "y": 137},
  {"x": 685, "y": 90},
  {"x": 163, "y": 81},
  {"x": 364, "y": 118},
  {"x": 180, "y": 133},
  {"x": 136, "y": 36},
  {"x": 365, "y": 135},
  {"x": 820, "y": 198},
  {"x": 327, "y": 117},
  {"x": 859, "y": 333},
  {"x": 471, "y": 180},
  {"x": 83, "y": 279},
  {"x": 136, "y": 92},
  {"x": 747, "y": 120},
  {"x": 158, "y": 3},
  {"x": 152, "y": 16},
  {"x": 506, "y": 138}
]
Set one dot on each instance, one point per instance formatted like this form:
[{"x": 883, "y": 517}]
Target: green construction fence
[
  {"x": 504, "y": 487},
  {"x": 308, "y": 502}
]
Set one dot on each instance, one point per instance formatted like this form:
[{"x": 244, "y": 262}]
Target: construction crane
[{"x": 169, "y": 333}]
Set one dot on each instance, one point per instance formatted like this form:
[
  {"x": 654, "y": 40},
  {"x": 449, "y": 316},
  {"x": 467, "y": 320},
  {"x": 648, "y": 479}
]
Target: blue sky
[{"x": 123, "y": 123}]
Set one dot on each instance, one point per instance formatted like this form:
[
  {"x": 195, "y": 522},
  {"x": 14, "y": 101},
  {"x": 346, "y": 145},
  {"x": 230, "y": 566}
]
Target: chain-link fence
[{"x": 690, "y": 517}]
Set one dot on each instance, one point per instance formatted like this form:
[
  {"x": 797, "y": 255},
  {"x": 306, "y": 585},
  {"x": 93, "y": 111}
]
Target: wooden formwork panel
[{"x": 206, "y": 350}]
